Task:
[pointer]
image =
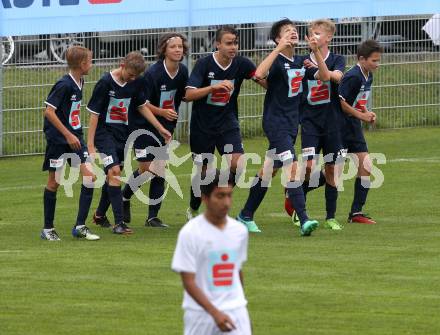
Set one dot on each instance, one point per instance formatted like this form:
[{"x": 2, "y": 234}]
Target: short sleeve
[
  {"x": 349, "y": 87},
  {"x": 275, "y": 73},
  {"x": 184, "y": 259},
  {"x": 339, "y": 64},
  {"x": 149, "y": 87},
  {"x": 249, "y": 68},
  {"x": 57, "y": 94},
  {"x": 141, "y": 93},
  {"x": 99, "y": 101},
  {"x": 197, "y": 75}
]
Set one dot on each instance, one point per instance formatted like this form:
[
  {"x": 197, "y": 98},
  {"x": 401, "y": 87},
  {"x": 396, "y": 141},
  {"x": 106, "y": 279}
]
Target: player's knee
[{"x": 52, "y": 185}]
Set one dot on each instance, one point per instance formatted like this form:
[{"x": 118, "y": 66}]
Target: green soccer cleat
[
  {"x": 308, "y": 227},
  {"x": 332, "y": 224},
  {"x": 250, "y": 224}
]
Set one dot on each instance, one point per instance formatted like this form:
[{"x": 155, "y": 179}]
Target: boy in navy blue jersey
[
  {"x": 165, "y": 83},
  {"x": 285, "y": 72},
  {"x": 354, "y": 92},
  {"x": 214, "y": 85},
  {"x": 116, "y": 97},
  {"x": 63, "y": 130},
  {"x": 320, "y": 112}
]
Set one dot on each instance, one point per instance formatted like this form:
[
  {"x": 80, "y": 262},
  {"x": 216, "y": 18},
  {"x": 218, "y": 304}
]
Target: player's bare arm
[
  {"x": 366, "y": 116},
  {"x": 193, "y": 94},
  {"x": 169, "y": 114},
  {"x": 71, "y": 139},
  {"x": 222, "y": 320},
  {"x": 148, "y": 114},
  {"x": 285, "y": 42},
  {"x": 323, "y": 72},
  {"x": 93, "y": 124}
]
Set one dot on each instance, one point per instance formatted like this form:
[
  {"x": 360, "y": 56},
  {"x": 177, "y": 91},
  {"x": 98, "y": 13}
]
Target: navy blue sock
[
  {"x": 331, "y": 197},
  {"x": 296, "y": 197},
  {"x": 115, "y": 196},
  {"x": 307, "y": 187},
  {"x": 194, "y": 202},
  {"x": 157, "y": 190},
  {"x": 85, "y": 200},
  {"x": 128, "y": 192},
  {"x": 360, "y": 194},
  {"x": 256, "y": 196},
  {"x": 50, "y": 201},
  {"x": 104, "y": 201}
]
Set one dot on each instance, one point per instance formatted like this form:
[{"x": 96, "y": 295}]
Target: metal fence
[{"x": 406, "y": 91}]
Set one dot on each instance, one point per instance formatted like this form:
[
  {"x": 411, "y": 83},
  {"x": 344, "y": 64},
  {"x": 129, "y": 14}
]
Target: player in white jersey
[{"x": 210, "y": 252}]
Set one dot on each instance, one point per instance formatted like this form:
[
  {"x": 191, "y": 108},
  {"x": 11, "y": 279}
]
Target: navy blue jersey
[
  {"x": 114, "y": 103},
  {"x": 320, "y": 110},
  {"x": 218, "y": 112},
  {"x": 355, "y": 90},
  {"x": 65, "y": 97},
  {"x": 283, "y": 95},
  {"x": 162, "y": 91}
]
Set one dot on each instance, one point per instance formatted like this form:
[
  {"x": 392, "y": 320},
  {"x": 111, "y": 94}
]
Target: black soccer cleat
[
  {"x": 126, "y": 211},
  {"x": 101, "y": 221},
  {"x": 155, "y": 223}
]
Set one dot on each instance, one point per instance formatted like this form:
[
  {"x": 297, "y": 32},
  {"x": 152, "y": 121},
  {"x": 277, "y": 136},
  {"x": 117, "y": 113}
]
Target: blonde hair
[
  {"x": 75, "y": 55},
  {"x": 135, "y": 61},
  {"x": 328, "y": 25}
]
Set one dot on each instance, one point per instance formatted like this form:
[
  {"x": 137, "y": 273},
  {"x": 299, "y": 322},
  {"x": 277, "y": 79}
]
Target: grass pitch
[{"x": 380, "y": 279}]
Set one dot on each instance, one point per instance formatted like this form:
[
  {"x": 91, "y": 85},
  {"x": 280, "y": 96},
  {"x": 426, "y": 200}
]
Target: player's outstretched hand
[
  {"x": 308, "y": 64},
  {"x": 225, "y": 85},
  {"x": 73, "y": 142},
  {"x": 165, "y": 134},
  {"x": 224, "y": 322},
  {"x": 170, "y": 114}
]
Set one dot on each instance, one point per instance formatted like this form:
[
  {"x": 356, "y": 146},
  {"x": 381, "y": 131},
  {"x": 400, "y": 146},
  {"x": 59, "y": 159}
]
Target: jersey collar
[
  {"x": 366, "y": 76},
  {"x": 290, "y": 60},
  {"x": 168, "y": 73},
  {"x": 313, "y": 58},
  {"x": 116, "y": 81},
  {"x": 218, "y": 64},
  {"x": 80, "y": 84}
]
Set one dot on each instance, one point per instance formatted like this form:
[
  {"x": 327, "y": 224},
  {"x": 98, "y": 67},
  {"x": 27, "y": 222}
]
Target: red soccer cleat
[{"x": 360, "y": 218}]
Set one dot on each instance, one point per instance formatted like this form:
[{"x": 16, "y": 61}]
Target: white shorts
[{"x": 200, "y": 322}]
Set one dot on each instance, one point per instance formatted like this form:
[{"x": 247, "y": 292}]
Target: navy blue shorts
[
  {"x": 330, "y": 144},
  {"x": 281, "y": 147},
  {"x": 148, "y": 148},
  {"x": 353, "y": 138},
  {"x": 54, "y": 161},
  {"x": 228, "y": 142},
  {"x": 112, "y": 149}
]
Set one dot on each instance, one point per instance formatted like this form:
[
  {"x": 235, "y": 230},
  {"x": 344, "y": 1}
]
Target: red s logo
[
  {"x": 119, "y": 113},
  {"x": 220, "y": 96},
  {"x": 320, "y": 92},
  {"x": 75, "y": 120},
  {"x": 296, "y": 83},
  {"x": 168, "y": 104},
  {"x": 223, "y": 273}
]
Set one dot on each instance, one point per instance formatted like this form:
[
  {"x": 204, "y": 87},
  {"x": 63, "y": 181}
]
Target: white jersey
[{"x": 216, "y": 257}]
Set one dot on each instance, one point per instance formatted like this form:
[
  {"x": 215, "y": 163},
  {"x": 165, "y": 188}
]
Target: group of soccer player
[{"x": 310, "y": 93}]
